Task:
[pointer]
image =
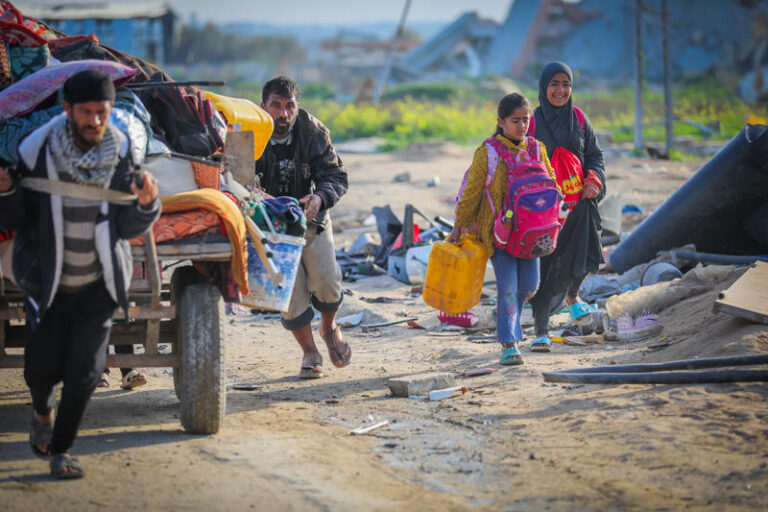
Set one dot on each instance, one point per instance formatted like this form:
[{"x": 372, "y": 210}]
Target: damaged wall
[{"x": 596, "y": 37}]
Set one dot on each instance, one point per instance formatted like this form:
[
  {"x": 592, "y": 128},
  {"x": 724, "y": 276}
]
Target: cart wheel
[{"x": 200, "y": 382}]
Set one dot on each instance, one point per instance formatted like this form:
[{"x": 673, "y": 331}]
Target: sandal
[
  {"x": 578, "y": 310},
  {"x": 66, "y": 467},
  {"x": 541, "y": 344},
  {"x": 103, "y": 381},
  {"x": 133, "y": 380},
  {"x": 338, "y": 350},
  {"x": 40, "y": 432},
  {"x": 511, "y": 356},
  {"x": 311, "y": 367}
]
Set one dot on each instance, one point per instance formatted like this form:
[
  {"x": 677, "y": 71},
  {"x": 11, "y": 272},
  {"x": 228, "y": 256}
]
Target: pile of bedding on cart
[{"x": 177, "y": 131}]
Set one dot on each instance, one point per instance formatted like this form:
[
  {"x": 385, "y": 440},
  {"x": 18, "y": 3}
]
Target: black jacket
[
  {"x": 38, "y": 220},
  {"x": 319, "y": 169}
]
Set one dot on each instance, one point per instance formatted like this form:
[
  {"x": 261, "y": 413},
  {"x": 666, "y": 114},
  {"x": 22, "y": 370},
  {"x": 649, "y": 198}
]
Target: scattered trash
[
  {"x": 419, "y": 384},
  {"x": 377, "y": 300},
  {"x": 244, "y": 387},
  {"x": 363, "y": 244},
  {"x": 266, "y": 314},
  {"x": 433, "y": 182},
  {"x": 631, "y": 208},
  {"x": 350, "y": 320},
  {"x": 403, "y": 177},
  {"x": 440, "y": 394},
  {"x": 645, "y": 325},
  {"x": 385, "y": 324},
  {"x": 365, "y": 429},
  {"x": 659, "y": 272},
  {"x": 465, "y": 319},
  {"x": 577, "y": 340},
  {"x": 478, "y": 371},
  {"x": 412, "y": 323},
  {"x": 483, "y": 339}
]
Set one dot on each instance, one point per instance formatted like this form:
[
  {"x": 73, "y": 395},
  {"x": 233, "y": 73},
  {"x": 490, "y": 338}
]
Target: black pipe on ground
[{"x": 646, "y": 373}]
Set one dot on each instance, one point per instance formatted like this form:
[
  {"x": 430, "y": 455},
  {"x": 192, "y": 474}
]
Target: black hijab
[{"x": 559, "y": 123}]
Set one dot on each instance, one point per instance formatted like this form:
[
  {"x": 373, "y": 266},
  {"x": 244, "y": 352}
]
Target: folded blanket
[{"x": 215, "y": 201}]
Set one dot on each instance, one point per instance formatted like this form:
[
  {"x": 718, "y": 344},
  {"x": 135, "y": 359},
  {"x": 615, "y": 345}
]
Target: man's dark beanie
[{"x": 88, "y": 85}]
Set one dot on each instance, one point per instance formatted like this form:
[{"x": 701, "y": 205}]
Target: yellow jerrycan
[
  {"x": 248, "y": 115},
  {"x": 455, "y": 272}
]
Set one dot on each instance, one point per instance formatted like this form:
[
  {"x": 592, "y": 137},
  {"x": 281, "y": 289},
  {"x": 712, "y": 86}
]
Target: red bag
[{"x": 570, "y": 175}]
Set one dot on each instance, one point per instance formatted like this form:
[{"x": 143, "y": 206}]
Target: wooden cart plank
[{"x": 113, "y": 361}]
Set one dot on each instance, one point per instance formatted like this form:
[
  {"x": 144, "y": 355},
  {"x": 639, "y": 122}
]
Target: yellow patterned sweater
[{"x": 473, "y": 205}]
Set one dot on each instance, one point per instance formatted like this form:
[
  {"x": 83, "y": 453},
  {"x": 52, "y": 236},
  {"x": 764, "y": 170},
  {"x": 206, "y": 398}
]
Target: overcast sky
[{"x": 307, "y": 12}]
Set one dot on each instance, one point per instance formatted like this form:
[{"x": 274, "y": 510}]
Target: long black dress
[{"x": 578, "y": 250}]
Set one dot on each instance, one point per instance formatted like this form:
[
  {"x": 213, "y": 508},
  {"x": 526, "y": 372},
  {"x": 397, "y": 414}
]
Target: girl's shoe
[
  {"x": 541, "y": 344},
  {"x": 511, "y": 356}
]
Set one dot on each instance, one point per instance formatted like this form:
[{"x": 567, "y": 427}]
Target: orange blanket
[{"x": 218, "y": 203}]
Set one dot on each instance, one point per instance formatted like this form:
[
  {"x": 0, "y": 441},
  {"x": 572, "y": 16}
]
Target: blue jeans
[{"x": 516, "y": 282}]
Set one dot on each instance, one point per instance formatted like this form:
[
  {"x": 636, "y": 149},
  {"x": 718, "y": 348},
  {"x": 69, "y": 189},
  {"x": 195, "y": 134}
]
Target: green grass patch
[{"x": 412, "y": 113}]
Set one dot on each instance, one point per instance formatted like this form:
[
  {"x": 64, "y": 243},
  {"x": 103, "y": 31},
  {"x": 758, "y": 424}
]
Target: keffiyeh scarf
[{"x": 93, "y": 167}]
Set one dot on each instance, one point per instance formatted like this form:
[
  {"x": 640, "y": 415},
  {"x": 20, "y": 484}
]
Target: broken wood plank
[{"x": 748, "y": 296}]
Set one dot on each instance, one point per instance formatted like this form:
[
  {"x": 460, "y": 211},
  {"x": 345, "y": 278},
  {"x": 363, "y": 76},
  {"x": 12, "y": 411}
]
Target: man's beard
[
  {"x": 81, "y": 140},
  {"x": 281, "y": 130}
]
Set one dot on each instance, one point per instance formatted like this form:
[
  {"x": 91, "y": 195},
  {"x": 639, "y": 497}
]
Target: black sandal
[
  {"x": 66, "y": 467},
  {"x": 40, "y": 432}
]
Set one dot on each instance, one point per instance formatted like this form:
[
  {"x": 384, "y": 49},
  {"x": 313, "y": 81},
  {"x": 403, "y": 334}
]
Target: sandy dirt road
[{"x": 512, "y": 442}]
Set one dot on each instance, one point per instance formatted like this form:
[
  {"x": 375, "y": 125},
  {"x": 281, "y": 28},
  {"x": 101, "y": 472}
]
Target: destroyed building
[{"x": 597, "y": 38}]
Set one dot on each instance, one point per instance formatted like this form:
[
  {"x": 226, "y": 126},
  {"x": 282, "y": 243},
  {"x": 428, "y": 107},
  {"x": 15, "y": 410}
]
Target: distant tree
[{"x": 210, "y": 44}]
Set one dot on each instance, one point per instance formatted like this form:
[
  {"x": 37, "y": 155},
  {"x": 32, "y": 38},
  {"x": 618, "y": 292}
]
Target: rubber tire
[
  {"x": 201, "y": 325},
  {"x": 181, "y": 278}
]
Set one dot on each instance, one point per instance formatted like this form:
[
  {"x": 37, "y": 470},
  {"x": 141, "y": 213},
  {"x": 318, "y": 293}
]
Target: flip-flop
[
  {"x": 103, "y": 381},
  {"x": 66, "y": 467},
  {"x": 40, "y": 432},
  {"x": 511, "y": 356},
  {"x": 578, "y": 310},
  {"x": 339, "y": 356},
  {"x": 541, "y": 344},
  {"x": 313, "y": 369}
]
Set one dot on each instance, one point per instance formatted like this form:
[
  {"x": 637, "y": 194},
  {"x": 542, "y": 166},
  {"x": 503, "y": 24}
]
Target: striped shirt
[{"x": 81, "y": 263}]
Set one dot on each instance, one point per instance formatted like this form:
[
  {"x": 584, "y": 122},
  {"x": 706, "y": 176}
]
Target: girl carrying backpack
[
  {"x": 508, "y": 197},
  {"x": 578, "y": 161}
]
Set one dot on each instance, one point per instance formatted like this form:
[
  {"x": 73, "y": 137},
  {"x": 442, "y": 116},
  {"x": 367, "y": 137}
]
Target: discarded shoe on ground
[{"x": 645, "y": 325}]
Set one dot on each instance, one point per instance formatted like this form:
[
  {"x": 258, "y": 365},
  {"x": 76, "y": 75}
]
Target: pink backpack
[{"x": 530, "y": 229}]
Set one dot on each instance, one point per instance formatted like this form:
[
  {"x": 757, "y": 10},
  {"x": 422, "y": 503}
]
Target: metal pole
[
  {"x": 667, "y": 85},
  {"x": 388, "y": 63},
  {"x": 638, "y": 76}
]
